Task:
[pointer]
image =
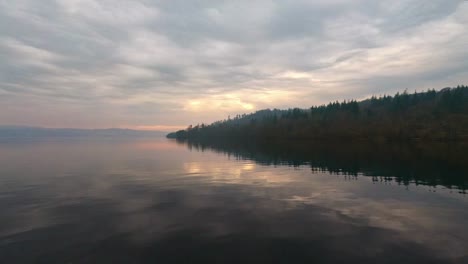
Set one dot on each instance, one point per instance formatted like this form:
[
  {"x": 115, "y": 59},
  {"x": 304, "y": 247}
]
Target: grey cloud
[
  {"x": 404, "y": 14},
  {"x": 117, "y": 63}
]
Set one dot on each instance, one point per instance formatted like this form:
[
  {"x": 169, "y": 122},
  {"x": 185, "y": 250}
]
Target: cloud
[
  {"x": 88, "y": 63},
  {"x": 113, "y": 13}
]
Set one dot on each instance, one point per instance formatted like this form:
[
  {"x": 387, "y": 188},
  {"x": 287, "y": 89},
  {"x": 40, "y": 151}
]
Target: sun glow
[{"x": 223, "y": 103}]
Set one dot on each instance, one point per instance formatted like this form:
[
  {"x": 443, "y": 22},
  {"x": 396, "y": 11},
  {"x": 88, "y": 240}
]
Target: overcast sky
[{"x": 165, "y": 64}]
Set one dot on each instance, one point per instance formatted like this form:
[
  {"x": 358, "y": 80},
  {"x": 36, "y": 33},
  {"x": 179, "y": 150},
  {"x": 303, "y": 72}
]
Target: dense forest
[{"x": 430, "y": 115}]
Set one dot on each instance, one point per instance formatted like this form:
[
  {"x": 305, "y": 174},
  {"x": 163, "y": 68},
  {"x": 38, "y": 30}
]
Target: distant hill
[
  {"x": 431, "y": 115},
  {"x": 34, "y": 132}
]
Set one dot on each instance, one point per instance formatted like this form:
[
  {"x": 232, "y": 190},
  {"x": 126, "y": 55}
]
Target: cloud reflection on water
[{"x": 118, "y": 202}]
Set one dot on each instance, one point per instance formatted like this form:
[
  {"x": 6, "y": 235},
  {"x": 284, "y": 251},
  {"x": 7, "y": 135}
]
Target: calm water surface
[{"x": 159, "y": 201}]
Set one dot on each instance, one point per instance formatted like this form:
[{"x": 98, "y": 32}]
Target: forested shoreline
[{"x": 431, "y": 115}]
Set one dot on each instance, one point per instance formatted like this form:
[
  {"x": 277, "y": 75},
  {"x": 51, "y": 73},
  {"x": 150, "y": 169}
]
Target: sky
[{"x": 150, "y": 64}]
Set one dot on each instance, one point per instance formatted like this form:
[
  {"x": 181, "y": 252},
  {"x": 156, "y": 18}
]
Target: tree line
[{"x": 430, "y": 115}]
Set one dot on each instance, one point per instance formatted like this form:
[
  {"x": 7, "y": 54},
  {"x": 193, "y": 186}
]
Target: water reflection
[
  {"x": 146, "y": 201},
  {"x": 433, "y": 164}
]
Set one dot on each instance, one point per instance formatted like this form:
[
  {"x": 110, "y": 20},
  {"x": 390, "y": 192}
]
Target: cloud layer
[{"x": 149, "y": 63}]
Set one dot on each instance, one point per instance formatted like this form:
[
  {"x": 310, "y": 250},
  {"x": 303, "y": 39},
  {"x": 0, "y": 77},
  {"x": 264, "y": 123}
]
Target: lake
[{"x": 152, "y": 200}]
